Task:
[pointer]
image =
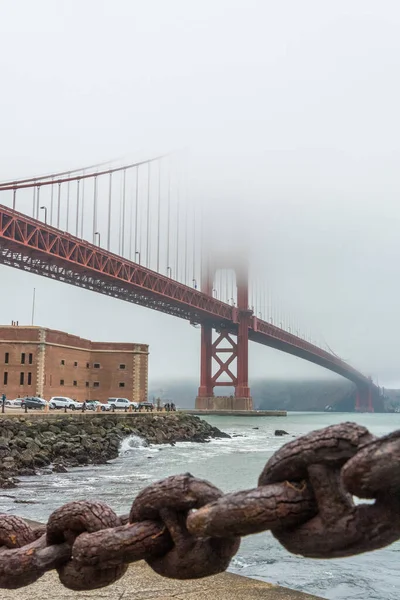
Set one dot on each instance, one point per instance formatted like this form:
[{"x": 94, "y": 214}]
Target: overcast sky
[{"x": 289, "y": 112}]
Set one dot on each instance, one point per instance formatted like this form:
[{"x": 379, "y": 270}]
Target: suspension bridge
[{"x": 129, "y": 231}]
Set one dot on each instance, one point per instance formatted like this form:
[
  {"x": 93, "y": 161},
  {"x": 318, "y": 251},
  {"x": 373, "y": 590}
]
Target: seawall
[{"x": 43, "y": 442}]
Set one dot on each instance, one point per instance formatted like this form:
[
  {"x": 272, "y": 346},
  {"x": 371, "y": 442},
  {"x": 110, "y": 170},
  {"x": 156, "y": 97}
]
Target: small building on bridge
[{"x": 36, "y": 361}]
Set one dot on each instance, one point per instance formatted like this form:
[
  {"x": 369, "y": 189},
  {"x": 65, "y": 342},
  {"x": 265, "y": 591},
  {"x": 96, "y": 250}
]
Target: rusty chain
[{"x": 186, "y": 528}]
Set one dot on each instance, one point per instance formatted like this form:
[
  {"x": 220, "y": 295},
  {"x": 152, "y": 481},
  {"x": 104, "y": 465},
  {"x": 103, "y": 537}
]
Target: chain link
[{"x": 187, "y": 528}]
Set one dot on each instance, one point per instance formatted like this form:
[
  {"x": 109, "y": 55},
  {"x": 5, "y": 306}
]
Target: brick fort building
[{"x": 36, "y": 361}]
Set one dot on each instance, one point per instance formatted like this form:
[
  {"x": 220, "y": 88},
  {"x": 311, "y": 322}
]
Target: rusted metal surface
[{"x": 187, "y": 528}]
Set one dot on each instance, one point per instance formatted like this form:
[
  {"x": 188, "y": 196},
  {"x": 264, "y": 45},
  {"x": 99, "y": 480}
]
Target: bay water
[{"x": 231, "y": 464}]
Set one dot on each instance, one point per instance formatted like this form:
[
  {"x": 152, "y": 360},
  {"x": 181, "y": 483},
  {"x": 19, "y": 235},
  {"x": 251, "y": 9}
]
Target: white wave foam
[{"x": 131, "y": 443}]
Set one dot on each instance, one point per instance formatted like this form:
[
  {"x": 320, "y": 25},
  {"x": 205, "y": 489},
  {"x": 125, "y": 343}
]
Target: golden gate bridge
[{"x": 127, "y": 230}]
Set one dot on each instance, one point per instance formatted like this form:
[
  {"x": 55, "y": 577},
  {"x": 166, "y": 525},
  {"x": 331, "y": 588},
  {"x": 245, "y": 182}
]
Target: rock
[
  {"x": 21, "y": 442},
  {"x": 32, "y": 446},
  {"x": 59, "y": 469},
  {"x": 53, "y": 429},
  {"x": 72, "y": 429},
  {"x": 26, "y": 457},
  {"x": 26, "y": 472},
  {"x": 41, "y": 460},
  {"x": 280, "y": 432},
  {"x": 48, "y": 435},
  {"x": 8, "y": 463},
  {"x": 216, "y": 433},
  {"x": 7, "y": 483},
  {"x": 5, "y": 450},
  {"x": 82, "y": 459}
]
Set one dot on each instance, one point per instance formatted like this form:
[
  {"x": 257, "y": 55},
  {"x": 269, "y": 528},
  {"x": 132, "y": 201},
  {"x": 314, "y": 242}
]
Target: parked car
[
  {"x": 121, "y": 403},
  {"x": 33, "y": 402},
  {"x": 62, "y": 402},
  {"x": 93, "y": 404},
  {"x": 17, "y": 402},
  {"x": 75, "y": 405},
  {"x": 146, "y": 405}
]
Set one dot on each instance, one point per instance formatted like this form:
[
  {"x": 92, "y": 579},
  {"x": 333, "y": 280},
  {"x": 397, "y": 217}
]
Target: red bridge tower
[{"x": 224, "y": 361}]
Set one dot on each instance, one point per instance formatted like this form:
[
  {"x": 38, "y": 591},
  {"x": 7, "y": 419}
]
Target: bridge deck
[{"x": 31, "y": 245}]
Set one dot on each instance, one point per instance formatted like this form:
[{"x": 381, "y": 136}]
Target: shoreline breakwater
[{"x": 34, "y": 444}]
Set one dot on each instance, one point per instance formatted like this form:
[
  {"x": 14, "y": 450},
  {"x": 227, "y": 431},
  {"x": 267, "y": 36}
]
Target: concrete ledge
[
  {"x": 223, "y": 403},
  {"x": 141, "y": 583},
  {"x": 236, "y": 413}
]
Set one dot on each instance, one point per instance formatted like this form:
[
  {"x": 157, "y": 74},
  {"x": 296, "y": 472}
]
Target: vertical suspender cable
[
  {"x": 82, "y": 205},
  {"x": 109, "y": 213},
  {"x": 130, "y": 228},
  {"x": 148, "y": 217},
  {"x": 51, "y": 204},
  {"x": 123, "y": 213},
  {"x": 14, "y": 198},
  {"x": 177, "y": 241},
  {"x": 77, "y": 207},
  {"x": 58, "y": 205},
  {"x": 94, "y": 208},
  {"x": 68, "y": 186},
  {"x": 264, "y": 307},
  {"x": 194, "y": 246},
  {"x": 37, "y": 201},
  {"x": 140, "y": 238},
  {"x": 201, "y": 248},
  {"x": 168, "y": 220},
  {"x": 136, "y": 212},
  {"x": 158, "y": 216},
  {"x": 34, "y": 202},
  {"x": 186, "y": 243}
]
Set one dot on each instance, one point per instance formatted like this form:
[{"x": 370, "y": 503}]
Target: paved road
[{"x": 10, "y": 411}]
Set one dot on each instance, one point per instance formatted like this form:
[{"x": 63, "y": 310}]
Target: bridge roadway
[{"x": 30, "y": 245}]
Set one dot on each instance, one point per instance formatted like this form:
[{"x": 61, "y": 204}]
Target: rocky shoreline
[{"x": 30, "y": 446}]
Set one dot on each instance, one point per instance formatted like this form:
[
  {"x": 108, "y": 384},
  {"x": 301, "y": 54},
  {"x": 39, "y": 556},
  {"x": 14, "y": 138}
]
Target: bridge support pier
[{"x": 364, "y": 401}]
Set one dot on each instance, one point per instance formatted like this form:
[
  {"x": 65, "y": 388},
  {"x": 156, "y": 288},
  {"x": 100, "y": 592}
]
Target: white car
[
  {"x": 93, "y": 404},
  {"x": 76, "y": 405},
  {"x": 121, "y": 403},
  {"x": 17, "y": 402},
  {"x": 62, "y": 402}
]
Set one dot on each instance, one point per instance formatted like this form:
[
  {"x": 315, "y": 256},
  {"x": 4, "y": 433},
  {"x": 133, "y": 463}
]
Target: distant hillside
[
  {"x": 273, "y": 394},
  {"x": 392, "y": 400},
  {"x": 304, "y": 395}
]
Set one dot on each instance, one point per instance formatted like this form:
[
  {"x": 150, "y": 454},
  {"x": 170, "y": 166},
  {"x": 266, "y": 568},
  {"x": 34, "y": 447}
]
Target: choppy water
[{"x": 231, "y": 464}]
